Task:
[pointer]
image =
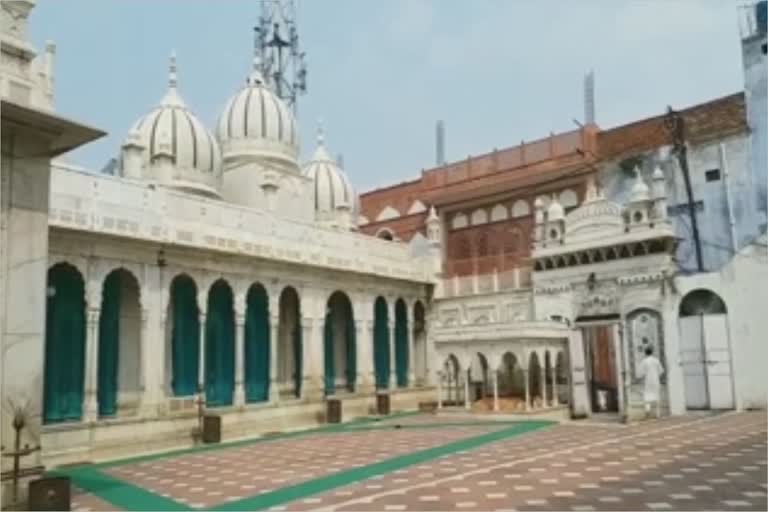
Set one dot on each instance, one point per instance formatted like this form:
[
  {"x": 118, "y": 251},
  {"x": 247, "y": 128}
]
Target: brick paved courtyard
[{"x": 424, "y": 462}]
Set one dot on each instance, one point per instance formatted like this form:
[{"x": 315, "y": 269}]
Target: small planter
[
  {"x": 50, "y": 493},
  {"x": 211, "y": 428},
  {"x": 382, "y": 403},
  {"x": 428, "y": 407},
  {"x": 333, "y": 410}
]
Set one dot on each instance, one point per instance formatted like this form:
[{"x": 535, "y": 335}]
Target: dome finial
[
  {"x": 172, "y": 79},
  {"x": 320, "y": 132}
]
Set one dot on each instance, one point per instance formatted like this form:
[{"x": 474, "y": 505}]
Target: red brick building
[{"x": 486, "y": 202}]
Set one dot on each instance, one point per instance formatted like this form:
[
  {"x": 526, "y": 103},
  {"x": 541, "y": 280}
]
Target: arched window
[{"x": 385, "y": 234}]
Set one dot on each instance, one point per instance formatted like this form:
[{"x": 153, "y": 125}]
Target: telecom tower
[{"x": 277, "y": 46}]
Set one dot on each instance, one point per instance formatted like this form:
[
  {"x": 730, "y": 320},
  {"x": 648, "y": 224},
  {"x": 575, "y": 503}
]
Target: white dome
[
  {"x": 256, "y": 123},
  {"x": 333, "y": 190},
  {"x": 640, "y": 190},
  {"x": 171, "y": 128},
  {"x": 555, "y": 211}
]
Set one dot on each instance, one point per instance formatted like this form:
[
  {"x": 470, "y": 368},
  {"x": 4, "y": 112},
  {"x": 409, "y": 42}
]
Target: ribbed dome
[
  {"x": 172, "y": 126},
  {"x": 331, "y": 185},
  {"x": 256, "y": 123}
]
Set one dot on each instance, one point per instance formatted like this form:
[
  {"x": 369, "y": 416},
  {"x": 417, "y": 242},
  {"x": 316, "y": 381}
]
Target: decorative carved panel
[{"x": 644, "y": 329}]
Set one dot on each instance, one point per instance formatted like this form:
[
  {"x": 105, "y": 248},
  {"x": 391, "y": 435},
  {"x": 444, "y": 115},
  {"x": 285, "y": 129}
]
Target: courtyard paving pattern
[{"x": 445, "y": 462}]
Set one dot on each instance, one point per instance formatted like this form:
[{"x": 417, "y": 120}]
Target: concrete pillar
[
  {"x": 495, "y": 391},
  {"x": 527, "y": 390},
  {"x": 90, "y": 398},
  {"x": 543, "y": 381},
  {"x": 274, "y": 331}
]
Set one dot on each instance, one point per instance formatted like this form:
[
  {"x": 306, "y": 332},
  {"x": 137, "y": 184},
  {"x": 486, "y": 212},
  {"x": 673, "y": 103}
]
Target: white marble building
[{"x": 212, "y": 265}]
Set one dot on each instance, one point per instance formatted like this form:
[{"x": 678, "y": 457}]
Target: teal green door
[
  {"x": 297, "y": 355},
  {"x": 185, "y": 337},
  {"x": 328, "y": 354},
  {"x": 109, "y": 345},
  {"x": 63, "y": 378},
  {"x": 381, "y": 343},
  {"x": 220, "y": 346},
  {"x": 257, "y": 345},
  {"x": 351, "y": 347},
  {"x": 401, "y": 344}
]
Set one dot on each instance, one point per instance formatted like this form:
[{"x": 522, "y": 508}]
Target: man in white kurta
[{"x": 651, "y": 372}]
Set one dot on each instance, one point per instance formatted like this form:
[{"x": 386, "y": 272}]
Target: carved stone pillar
[
  {"x": 553, "y": 375},
  {"x": 274, "y": 332},
  {"x": 201, "y": 354},
  {"x": 90, "y": 399},
  {"x": 467, "y": 401},
  {"x": 239, "y": 398},
  {"x": 527, "y": 390},
  {"x": 439, "y": 390},
  {"x": 364, "y": 330},
  {"x": 543, "y": 382},
  {"x": 149, "y": 398},
  {"x": 312, "y": 385},
  {"x": 411, "y": 356},
  {"x": 495, "y": 390}
]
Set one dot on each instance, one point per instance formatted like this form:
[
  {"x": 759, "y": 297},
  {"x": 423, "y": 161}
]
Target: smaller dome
[
  {"x": 555, "y": 211},
  {"x": 333, "y": 190},
  {"x": 640, "y": 190},
  {"x": 256, "y": 123},
  {"x": 658, "y": 174},
  {"x": 171, "y": 129}
]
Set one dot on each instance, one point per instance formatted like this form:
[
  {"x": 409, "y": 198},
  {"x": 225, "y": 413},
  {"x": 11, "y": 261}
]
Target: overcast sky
[{"x": 382, "y": 72}]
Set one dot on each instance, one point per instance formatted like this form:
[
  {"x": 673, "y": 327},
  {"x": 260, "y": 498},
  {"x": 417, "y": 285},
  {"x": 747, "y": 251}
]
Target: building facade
[
  {"x": 214, "y": 268},
  {"x": 589, "y": 246}
]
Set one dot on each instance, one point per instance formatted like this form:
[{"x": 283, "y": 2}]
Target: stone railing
[{"x": 118, "y": 207}]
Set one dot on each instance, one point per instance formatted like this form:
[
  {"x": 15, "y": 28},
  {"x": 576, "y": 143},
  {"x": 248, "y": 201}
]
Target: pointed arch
[
  {"x": 220, "y": 345},
  {"x": 119, "y": 350},
  {"x": 257, "y": 344},
  {"x": 64, "y": 370},
  {"x": 290, "y": 343},
  {"x": 381, "y": 363},
  {"x": 183, "y": 337},
  {"x": 339, "y": 344}
]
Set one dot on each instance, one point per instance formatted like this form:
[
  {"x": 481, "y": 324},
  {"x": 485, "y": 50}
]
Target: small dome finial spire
[
  {"x": 172, "y": 78},
  {"x": 320, "y": 132}
]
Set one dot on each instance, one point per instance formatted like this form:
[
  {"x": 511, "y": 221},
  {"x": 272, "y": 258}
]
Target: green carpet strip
[
  {"x": 119, "y": 493},
  {"x": 127, "y": 496},
  {"x": 350, "y": 476}
]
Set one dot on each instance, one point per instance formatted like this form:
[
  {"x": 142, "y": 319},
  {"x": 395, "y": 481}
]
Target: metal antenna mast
[{"x": 277, "y": 46}]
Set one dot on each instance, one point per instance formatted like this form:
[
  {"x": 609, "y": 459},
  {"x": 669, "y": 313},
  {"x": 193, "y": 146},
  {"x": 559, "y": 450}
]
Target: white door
[
  {"x": 692, "y": 361},
  {"x": 718, "y": 361}
]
